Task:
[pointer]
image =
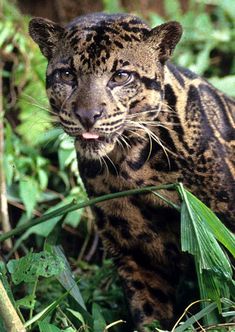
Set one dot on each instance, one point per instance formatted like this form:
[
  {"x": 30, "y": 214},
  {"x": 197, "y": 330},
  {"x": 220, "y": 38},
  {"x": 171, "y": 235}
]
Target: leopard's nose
[{"x": 88, "y": 118}]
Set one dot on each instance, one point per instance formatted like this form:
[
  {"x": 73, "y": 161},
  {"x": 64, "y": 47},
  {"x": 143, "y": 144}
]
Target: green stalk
[
  {"x": 75, "y": 206},
  {"x": 33, "y": 299}
]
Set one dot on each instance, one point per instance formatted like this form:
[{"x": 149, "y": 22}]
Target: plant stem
[
  {"x": 8, "y": 313},
  {"x": 4, "y": 218},
  {"x": 33, "y": 301},
  {"x": 75, "y": 206}
]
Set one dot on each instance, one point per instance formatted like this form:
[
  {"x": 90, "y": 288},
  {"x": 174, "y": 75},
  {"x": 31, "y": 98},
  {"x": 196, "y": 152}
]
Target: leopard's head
[{"x": 105, "y": 77}]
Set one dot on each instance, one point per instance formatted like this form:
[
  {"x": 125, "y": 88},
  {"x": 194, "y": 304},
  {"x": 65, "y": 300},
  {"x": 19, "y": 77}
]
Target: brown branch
[
  {"x": 22, "y": 207},
  {"x": 4, "y": 218},
  {"x": 8, "y": 313}
]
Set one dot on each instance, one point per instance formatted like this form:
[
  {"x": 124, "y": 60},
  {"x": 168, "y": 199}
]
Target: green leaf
[
  {"x": 197, "y": 226},
  {"x": 99, "y": 321},
  {"x": 203, "y": 59},
  {"x": 199, "y": 230},
  {"x": 112, "y": 6},
  {"x": 67, "y": 281},
  {"x": 80, "y": 318},
  {"x": 66, "y": 156},
  {"x": 29, "y": 193},
  {"x": 33, "y": 265},
  {"x": 228, "y": 6},
  {"x": 8, "y": 163},
  {"x": 43, "y": 178},
  {"x": 66, "y": 278},
  {"x": 173, "y": 8},
  {"x": 46, "y": 327},
  {"x": 213, "y": 224},
  {"x": 73, "y": 218},
  {"x": 225, "y": 84},
  {"x": 46, "y": 312},
  {"x": 190, "y": 321},
  {"x": 26, "y": 302},
  {"x": 5, "y": 282},
  {"x": 155, "y": 19}
]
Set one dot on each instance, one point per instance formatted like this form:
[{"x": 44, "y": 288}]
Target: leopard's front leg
[{"x": 150, "y": 293}]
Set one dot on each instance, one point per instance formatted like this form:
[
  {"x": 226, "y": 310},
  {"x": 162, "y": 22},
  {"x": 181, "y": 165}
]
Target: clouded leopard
[{"x": 139, "y": 120}]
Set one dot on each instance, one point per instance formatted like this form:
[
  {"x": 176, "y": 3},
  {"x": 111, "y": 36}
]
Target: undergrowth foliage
[{"x": 48, "y": 291}]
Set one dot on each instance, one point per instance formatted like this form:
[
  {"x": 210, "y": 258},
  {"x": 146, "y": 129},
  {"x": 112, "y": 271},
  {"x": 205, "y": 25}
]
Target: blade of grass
[
  {"x": 190, "y": 321},
  {"x": 45, "y": 312},
  {"x": 75, "y": 206}
]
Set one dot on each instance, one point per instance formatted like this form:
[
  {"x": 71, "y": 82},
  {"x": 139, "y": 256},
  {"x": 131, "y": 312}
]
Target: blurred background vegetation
[{"x": 38, "y": 167}]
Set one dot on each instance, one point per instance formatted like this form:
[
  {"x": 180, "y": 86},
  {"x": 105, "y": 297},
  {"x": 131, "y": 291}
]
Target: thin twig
[
  {"x": 187, "y": 310},
  {"x": 216, "y": 326},
  {"x": 4, "y": 217}
]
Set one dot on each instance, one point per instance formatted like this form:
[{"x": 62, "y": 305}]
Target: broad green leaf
[
  {"x": 80, "y": 318},
  {"x": 212, "y": 222},
  {"x": 65, "y": 157},
  {"x": 46, "y": 327},
  {"x": 29, "y": 193},
  {"x": 66, "y": 278},
  {"x": 199, "y": 229},
  {"x": 49, "y": 136},
  {"x": 73, "y": 218},
  {"x": 33, "y": 265},
  {"x": 67, "y": 281},
  {"x": 199, "y": 236},
  {"x": 99, "y": 321},
  {"x": 45, "y": 229}
]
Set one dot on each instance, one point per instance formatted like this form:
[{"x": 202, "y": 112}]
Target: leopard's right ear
[{"x": 46, "y": 34}]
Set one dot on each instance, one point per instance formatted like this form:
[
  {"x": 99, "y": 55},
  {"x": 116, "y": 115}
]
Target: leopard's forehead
[
  {"x": 108, "y": 23},
  {"x": 93, "y": 39}
]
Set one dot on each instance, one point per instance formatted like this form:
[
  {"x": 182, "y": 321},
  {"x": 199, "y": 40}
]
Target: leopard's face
[{"x": 104, "y": 80}]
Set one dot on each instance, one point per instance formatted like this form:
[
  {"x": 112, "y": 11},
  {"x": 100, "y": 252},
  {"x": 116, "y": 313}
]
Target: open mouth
[
  {"x": 93, "y": 145},
  {"x": 91, "y": 140},
  {"x": 87, "y": 136}
]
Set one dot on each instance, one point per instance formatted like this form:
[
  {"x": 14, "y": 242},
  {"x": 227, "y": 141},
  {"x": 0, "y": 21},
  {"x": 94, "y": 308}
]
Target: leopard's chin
[{"x": 94, "y": 149}]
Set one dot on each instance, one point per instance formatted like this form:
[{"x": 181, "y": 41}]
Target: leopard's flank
[{"x": 139, "y": 120}]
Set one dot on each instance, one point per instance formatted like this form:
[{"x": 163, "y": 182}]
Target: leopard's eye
[
  {"x": 120, "y": 78},
  {"x": 66, "y": 75}
]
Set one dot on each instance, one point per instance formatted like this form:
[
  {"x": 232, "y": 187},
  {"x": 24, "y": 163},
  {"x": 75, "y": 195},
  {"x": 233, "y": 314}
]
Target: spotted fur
[{"x": 108, "y": 76}]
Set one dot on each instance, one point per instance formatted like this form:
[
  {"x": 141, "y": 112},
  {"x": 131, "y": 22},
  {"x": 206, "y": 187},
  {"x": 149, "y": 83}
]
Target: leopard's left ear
[
  {"x": 46, "y": 34},
  {"x": 164, "y": 38}
]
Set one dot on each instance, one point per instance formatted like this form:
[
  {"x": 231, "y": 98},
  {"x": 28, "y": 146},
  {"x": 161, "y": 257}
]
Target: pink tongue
[{"x": 90, "y": 136}]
